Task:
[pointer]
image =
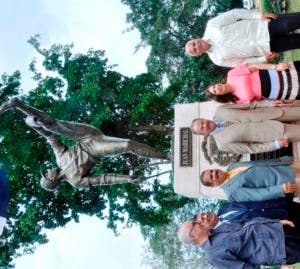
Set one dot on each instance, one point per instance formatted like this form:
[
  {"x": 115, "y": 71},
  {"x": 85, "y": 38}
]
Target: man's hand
[
  {"x": 283, "y": 142},
  {"x": 289, "y": 187},
  {"x": 283, "y": 66},
  {"x": 288, "y": 222},
  {"x": 268, "y": 16},
  {"x": 270, "y": 56},
  {"x": 279, "y": 103}
]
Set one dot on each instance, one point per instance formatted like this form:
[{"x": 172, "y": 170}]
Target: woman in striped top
[{"x": 253, "y": 82}]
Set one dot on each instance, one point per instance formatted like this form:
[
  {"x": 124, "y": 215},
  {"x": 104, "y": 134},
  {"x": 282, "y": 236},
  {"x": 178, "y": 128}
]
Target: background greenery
[{"x": 84, "y": 88}]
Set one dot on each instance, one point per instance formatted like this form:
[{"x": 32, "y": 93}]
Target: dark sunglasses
[
  {"x": 194, "y": 222},
  {"x": 194, "y": 218}
]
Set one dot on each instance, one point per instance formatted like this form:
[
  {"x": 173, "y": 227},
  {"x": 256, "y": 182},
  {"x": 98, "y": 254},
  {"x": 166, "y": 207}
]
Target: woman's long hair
[{"x": 225, "y": 98}]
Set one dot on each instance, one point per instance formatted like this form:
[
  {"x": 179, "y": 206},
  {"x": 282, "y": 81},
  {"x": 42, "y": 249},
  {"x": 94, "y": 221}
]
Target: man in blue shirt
[
  {"x": 254, "y": 180},
  {"x": 243, "y": 244}
]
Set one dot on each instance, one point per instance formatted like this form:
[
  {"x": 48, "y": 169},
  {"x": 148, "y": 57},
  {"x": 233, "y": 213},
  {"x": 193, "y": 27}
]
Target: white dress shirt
[{"x": 237, "y": 36}]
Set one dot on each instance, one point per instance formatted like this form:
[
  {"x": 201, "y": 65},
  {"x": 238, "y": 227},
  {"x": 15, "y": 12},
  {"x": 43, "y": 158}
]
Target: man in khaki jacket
[
  {"x": 252, "y": 128},
  {"x": 75, "y": 163}
]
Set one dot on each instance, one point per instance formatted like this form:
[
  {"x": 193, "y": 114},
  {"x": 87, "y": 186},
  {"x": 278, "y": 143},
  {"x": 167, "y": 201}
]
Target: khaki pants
[{"x": 292, "y": 132}]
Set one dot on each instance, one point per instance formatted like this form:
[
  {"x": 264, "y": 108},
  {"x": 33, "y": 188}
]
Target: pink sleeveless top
[{"x": 246, "y": 84}]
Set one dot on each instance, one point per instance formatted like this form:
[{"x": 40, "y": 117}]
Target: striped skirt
[{"x": 281, "y": 84}]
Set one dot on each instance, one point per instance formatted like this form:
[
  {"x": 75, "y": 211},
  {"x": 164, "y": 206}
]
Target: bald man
[
  {"x": 251, "y": 36},
  {"x": 242, "y": 244}
]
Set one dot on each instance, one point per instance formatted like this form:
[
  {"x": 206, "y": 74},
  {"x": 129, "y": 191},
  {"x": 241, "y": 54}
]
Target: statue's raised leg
[
  {"x": 103, "y": 146},
  {"x": 75, "y": 131},
  {"x": 113, "y": 146}
]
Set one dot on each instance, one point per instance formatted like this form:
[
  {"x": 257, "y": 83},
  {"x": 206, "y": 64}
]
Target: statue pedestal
[{"x": 189, "y": 159}]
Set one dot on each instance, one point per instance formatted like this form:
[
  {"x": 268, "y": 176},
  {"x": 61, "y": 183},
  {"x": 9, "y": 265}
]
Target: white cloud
[
  {"x": 86, "y": 245},
  {"x": 88, "y": 24}
]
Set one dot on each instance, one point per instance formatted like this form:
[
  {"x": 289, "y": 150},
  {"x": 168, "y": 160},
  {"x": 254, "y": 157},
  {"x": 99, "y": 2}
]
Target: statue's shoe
[{"x": 8, "y": 105}]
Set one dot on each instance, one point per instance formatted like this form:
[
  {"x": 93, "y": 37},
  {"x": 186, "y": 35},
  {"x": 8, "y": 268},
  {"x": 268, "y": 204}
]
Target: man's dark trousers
[{"x": 281, "y": 38}]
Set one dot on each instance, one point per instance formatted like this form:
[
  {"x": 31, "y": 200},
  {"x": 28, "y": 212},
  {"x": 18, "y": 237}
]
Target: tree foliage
[
  {"x": 162, "y": 247},
  {"x": 165, "y": 26},
  {"x": 82, "y": 88}
]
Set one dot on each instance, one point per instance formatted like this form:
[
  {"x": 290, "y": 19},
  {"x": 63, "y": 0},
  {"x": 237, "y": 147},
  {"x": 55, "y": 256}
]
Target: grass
[{"x": 293, "y": 6}]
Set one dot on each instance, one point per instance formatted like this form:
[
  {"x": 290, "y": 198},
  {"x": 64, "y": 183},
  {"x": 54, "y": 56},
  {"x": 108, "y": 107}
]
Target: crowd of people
[{"x": 259, "y": 222}]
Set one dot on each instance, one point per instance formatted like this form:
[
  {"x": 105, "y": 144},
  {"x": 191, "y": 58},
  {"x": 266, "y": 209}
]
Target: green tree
[
  {"x": 163, "y": 249},
  {"x": 84, "y": 88}
]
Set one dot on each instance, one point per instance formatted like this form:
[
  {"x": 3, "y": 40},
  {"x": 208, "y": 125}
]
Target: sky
[
  {"x": 97, "y": 24},
  {"x": 88, "y": 244}
]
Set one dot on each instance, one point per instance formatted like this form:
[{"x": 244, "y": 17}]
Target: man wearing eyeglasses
[
  {"x": 256, "y": 180},
  {"x": 243, "y": 244},
  {"x": 240, "y": 35}
]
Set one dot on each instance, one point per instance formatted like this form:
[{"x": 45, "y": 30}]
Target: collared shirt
[
  {"x": 219, "y": 127},
  {"x": 237, "y": 36},
  {"x": 262, "y": 181},
  {"x": 226, "y": 217},
  {"x": 234, "y": 172},
  {"x": 242, "y": 245}
]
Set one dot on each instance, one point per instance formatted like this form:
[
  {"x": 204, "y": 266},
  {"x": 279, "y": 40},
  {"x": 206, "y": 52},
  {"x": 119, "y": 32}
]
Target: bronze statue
[{"x": 75, "y": 163}]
